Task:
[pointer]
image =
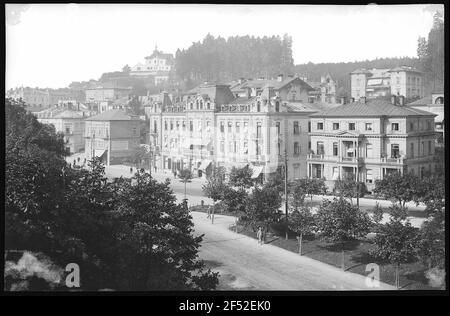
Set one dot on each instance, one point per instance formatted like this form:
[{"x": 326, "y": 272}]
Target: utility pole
[
  {"x": 285, "y": 189},
  {"x": 149, "y": 154}
]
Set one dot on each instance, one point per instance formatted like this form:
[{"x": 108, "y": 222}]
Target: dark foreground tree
[
  {"x": 76, "y": 216},
  {"x": 155, "y": 239}
]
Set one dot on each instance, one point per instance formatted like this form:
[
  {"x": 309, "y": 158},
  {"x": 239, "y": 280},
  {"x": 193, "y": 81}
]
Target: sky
[{"x": 51, "y": 45}]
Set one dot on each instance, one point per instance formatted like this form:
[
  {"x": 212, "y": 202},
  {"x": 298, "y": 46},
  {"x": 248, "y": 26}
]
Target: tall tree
[
  {"x": 398, "y": 187},
  {"x": 396, "y": 241},
  {"x": 302, "y": 222}
]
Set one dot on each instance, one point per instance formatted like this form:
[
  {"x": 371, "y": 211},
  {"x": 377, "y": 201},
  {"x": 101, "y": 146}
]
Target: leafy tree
[
  {"x": 339, "y": 221},
  {"x": 241, "y": 177},
  {"x": 215, "y": 185},
  {"x": 310, "y": 187},
  {"x": 262, "y": 207},
  {"x": 377, "y": 216},
  {"x": 185, "y": 176},
  {"x": 398, "y": 187},
  {"x": 349, "y": 188},
  {"x": 396, "y": 241},
  {"x": 156, "y": 239},
  {"x": 76, "y": 215},
  {"x": 276, "y": 181},
  {"x": 431, "y": 192},
  {"x": 302, "y": 222},
  {"x": 431, "y": 244}
]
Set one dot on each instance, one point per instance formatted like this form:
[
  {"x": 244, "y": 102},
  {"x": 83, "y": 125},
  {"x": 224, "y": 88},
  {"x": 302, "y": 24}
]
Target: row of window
[
  {"x": 351, "y": 126},
  {"x": 395, "y": 150},
  {"x": 368, "y": 126}
]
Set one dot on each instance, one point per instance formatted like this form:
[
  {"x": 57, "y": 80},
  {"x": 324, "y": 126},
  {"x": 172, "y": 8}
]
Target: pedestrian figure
[
  {"x": 208, "y": 212},
  {"x": 74, "y": 162},
  {"x": 85, "y": 160},
  {"x": 259, "y": 234},
  {"x": 155, "y": 169},
  {"x": 78, "y": 159},
  {"x": 131, "y": 170}
]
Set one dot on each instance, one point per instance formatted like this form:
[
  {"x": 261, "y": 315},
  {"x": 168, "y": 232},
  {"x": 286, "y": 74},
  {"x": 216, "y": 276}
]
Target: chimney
[
  {"x": 249, "y": 93},
  {"x": 393, "y": 100},
  {"x": 343, "y": 100},
  {"x": 362, "y": 99},
  {"x": 280, "y": 78},
  {"x": 401, "y": 100}
]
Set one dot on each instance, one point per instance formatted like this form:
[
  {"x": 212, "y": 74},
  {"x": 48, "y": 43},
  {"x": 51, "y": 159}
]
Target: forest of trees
[
  {"x": 431, "y": 54},
  {"x": 216, "y": 59},
  {"x": 220, "y": 59}
]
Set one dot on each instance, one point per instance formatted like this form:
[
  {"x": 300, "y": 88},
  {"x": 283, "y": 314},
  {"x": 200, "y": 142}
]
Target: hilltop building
[{"x": 158, "y": 65}]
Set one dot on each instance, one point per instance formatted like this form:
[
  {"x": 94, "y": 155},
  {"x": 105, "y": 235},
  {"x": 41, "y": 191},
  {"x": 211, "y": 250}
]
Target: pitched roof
[
  {"x": 424, "y": 101},
  {"x": 69, "y": 114},
  {"x": 114, "y": 115},
  {"x": 372, "y": 108},
  {"x": 405, "y": 68}
]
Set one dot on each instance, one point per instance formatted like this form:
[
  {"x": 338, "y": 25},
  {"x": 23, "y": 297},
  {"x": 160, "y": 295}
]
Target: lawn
[{"x": 357, "y": 255}]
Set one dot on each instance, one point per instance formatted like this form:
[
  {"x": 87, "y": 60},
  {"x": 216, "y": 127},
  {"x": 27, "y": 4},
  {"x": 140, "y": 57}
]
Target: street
[{"x": 243, "y": 264}]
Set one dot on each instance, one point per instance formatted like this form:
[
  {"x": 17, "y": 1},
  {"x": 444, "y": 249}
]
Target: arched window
[
  {"x": 258, "y": 106},
  {"x": 439, "y": 100},
  {"x": 201, "y": 104},
  {"x": 277, "y": 106}
]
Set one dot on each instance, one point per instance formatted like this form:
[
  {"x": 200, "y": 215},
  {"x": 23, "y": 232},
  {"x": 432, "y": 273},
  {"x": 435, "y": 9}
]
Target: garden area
[{"x": 337, "y": 232}]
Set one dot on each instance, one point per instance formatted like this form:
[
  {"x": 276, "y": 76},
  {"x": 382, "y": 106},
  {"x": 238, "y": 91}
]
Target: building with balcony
[
  {"x": 434, "y": 103},
  {"x": 374, "y": 83},
  {"x": 368, "y": 139},
  {"x": 214, "y": 127},
  {"x": 113, "y": 135}
]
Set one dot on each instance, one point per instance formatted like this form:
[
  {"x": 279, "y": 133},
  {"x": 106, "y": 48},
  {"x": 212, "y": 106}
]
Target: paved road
[{"x": 245, "y": 265}]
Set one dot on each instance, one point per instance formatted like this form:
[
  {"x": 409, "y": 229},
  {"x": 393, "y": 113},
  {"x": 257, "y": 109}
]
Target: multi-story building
[
  {"x": 434, "y": 103},
  {"x": 366, "y": 140},
  {"x": 216, "y": 127},
  {"x": 70, "y": 123},
  {"x": 158, "y": 65},
  {"x": 113, "y": 135},
  {"x": 291, "y": 88},
  {"x": 101, "y": 98},
  {"x": 45, "y": 97},
  {"x": 399, "y": 81},
  {"x": 323, "y": 91}
]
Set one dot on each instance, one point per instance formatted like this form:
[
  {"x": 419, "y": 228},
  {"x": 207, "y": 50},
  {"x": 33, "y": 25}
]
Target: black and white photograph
[{"x": 224, "y": 148}]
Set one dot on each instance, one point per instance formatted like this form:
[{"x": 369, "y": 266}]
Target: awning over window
[
  {"x": 99, "y": 152},
  {"x": 256, "y": 171},
  {"x": 205, "y": 163}
]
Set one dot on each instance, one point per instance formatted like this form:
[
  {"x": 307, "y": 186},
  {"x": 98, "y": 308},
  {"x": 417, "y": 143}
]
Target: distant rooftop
[
  {"x": 372, "y": 108},
  {"x": 114, "y": 115}
]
